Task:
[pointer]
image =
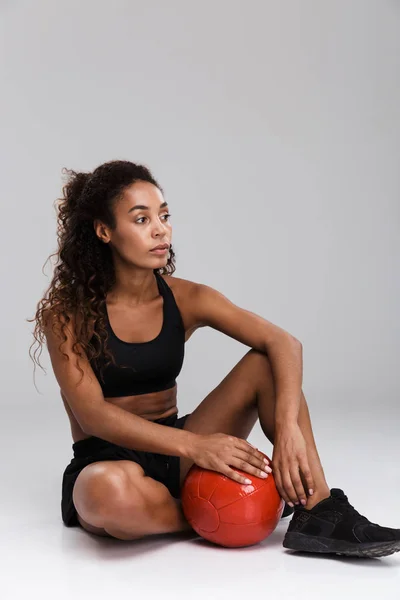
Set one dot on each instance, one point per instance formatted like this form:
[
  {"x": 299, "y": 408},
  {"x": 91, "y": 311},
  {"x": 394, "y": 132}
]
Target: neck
[{"x": 134, "y": 288}]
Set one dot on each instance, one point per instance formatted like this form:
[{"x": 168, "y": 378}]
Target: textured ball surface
[{"x": 229, "y": 513}]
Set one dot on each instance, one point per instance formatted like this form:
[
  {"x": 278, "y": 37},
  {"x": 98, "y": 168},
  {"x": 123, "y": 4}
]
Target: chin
[{"x": 162, "y": 261}]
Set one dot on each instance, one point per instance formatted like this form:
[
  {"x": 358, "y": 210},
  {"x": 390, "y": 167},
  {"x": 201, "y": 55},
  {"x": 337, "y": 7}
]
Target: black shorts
[{"x": 162, "y": 467}]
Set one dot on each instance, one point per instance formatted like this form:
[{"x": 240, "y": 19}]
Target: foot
[{"x": 334, "y": 526}]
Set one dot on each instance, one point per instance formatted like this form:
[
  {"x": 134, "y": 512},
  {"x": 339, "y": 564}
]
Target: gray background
[{"x": 274, "y": 129}]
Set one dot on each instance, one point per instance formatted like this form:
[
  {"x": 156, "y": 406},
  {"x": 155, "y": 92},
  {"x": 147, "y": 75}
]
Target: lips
[{"x": 161, "y": 247}]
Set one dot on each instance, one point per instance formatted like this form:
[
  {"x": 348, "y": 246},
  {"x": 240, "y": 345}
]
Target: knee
[
  {"x": 257, "y": 355},
  {"x": 261, "y": 362},
  {"x": 102, "y": 492}
]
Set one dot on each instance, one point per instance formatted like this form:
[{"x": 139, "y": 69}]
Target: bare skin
[
  {"x": 155, "y": 405},
  {"x": 151, "y": 406},
  {"x": 116, "y": 498},
  {"x": 250, "y": 390}
]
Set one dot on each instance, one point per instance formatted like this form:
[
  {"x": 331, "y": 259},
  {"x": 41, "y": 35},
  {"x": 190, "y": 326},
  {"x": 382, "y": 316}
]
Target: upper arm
[
  {"x": 87, "y": 397},
  {"x": 211, "y": 308}
]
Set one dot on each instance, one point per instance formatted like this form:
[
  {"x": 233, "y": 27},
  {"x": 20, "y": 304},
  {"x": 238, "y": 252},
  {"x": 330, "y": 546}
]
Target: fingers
[
  {"x": 308, "y": 479},
  {"x": 302, "y": 479},
  {"x": 290, "y": 484},
  {"x": 244, "y": 446},
  {"x": 279, "y": 486},
  {"x": 249, "y": 459},
  {"x": 296, "y": 490},
  {"x": 254, "y": 457},
  {"x": 293, "y": 481},
  {"x": 232, "y": 474},
  {"x": 250, "y": 465}
]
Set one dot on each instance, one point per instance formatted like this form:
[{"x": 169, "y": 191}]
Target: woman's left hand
[{"x": 288, "y": 459}]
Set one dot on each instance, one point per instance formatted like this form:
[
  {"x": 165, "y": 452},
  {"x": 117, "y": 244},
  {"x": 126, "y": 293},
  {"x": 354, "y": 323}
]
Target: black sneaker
[
  {"x": 334, "y": 526},
  {"x": 288, "y": 510}
]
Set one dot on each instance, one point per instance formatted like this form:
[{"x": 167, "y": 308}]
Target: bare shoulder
[
  {"x": 200, "y": 304},
  {"x": 180, "y": 286},
  {"x": 207, "y": 307},
  {"x": 185, "y": 293}
]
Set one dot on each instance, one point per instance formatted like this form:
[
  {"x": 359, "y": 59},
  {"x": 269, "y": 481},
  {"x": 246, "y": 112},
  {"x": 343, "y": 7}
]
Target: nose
[{"x": 159, "y": 228}]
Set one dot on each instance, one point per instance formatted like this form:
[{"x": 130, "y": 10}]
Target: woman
[{"x": 115, "y": 322}]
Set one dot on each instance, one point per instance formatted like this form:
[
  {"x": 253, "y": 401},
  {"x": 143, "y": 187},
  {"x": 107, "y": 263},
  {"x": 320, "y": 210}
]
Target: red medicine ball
[{"x": 230, "y": 513}]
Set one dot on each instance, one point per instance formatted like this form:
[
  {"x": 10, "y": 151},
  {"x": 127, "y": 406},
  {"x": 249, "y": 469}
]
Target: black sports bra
[{"x": 156, "y": 364}]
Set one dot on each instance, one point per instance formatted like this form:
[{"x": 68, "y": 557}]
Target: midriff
[{"x": 156, "y": 405}]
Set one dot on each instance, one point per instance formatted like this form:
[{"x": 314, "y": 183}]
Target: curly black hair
[{"x": 84, "y": 272}]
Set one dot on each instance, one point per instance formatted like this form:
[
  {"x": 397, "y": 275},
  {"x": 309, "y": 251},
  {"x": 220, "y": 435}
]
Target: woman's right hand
[{"x": 219, "y": 452}]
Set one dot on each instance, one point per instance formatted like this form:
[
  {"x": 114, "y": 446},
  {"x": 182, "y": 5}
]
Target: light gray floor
[{"x": 359, "y": 447}]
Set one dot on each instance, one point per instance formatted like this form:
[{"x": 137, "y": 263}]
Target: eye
[{"x": 140, "y": 218}]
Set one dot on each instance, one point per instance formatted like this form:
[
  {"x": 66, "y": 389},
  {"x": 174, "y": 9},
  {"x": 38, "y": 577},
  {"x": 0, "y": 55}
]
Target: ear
[{"x": 101, "y": 231}]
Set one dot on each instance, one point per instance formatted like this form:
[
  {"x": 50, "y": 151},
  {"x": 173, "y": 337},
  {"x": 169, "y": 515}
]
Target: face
[{"x": 142, "y": 222}]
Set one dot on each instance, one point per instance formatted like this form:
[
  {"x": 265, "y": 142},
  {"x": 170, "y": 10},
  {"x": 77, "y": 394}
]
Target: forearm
[
  {"x": 123, "y": 428},
  {"x": 286, "y": 358}
]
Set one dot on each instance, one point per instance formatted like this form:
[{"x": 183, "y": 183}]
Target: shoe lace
[{"x": 346, "y": 508}]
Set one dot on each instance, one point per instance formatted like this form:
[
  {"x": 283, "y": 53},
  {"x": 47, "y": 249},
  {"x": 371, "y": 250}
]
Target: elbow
[
  {"x": 88, "y": 424},
  {"x": 298, "y": 344},
  {"x": 96, "y": 422},
  {"x": 89, "y": 428},
  {"x": 287, "y": 339},
  {"x": 294, "y": 340}
]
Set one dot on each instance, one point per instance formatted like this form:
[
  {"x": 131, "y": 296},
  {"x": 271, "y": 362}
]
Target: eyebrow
[{"x": 143, "y": 207}]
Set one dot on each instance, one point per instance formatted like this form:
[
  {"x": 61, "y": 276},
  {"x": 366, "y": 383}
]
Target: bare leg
[
  {"x": 266, "y": 410},
  {"x": 159, "y": 512},
  {"x": 116, "y": 498},
  {"x": 246, "y": 394}
]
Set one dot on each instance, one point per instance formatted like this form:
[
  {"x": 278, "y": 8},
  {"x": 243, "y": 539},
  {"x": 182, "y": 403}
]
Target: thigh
[{"x": 231, "y": 407}]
